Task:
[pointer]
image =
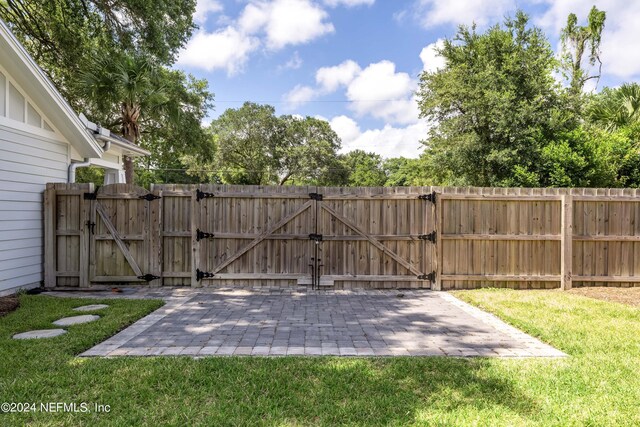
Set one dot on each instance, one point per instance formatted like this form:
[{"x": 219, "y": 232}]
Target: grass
[{"x": 598, "y": 385}]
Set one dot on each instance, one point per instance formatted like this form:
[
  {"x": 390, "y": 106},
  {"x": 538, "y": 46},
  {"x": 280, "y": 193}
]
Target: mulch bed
[
  {"x": 629, "y": 296},
  {"x": 8, "y": 304}
]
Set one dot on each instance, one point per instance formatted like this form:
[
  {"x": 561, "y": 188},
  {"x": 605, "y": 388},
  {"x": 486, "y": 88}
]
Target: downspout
[{"x": 87, "y": 161}]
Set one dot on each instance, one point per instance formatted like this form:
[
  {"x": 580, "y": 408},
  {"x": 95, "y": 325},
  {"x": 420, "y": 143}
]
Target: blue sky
[{"x": 356, "y": 63}]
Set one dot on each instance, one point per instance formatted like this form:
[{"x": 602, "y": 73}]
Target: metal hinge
[
  {"x": 428, "y": 197},
  {"x": 430, "y": 277},
  {"x": 149, "y": 197},
  {"x": 316, "y": 196},
  {"x": 203, "y": 195},
  {"x": 148, "y": 277},
  {"x": 315, "y": 237},
  {"x": 200, "y": 235},
  {"x": 202, "y": 275},
  {"x": 430, "y": 237}
]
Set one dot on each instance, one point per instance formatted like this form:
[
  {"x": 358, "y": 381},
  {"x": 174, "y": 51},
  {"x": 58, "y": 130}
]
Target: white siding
[{"x": 27, "y": 162}]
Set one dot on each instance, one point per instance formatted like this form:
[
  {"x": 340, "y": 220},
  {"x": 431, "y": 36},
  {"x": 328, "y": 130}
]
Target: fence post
[
  {"x": 437, "y": 284},
  {"x": 566, "y": 242},
  {"x": 195, "y": 247},
  {"x": 50, "y": 236},
  {"x": 85, "y": 238}
]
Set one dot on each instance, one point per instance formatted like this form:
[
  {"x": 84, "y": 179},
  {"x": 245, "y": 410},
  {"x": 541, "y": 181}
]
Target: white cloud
[
  {"x": 619, "y": 39},
  {"x": 285, "y": 22},
  {"x": 348, "y": 3},
  {"x": 454, "y": 12},
  {"x": 226, "y": 49},
  {"x": 204, "y": 8},
  {"x": 294, "y": 63},
  {"x": 331, "y": 78},
  {"x": 388, "y": 142},
  {"x": 382, "y": 93},
  {"x": 431, "y": 61},
  {"x": 299, "y": 95}
]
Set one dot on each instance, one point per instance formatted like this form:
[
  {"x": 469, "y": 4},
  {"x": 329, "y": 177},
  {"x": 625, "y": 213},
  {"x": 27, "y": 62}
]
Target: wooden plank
[
  {"x": 132, "y": 237},
  {"x": 608, "y": 279},
  {"x": 515, "y": 237},
  {"x": 194, "y": 221},
  {"x": 262, "y": 236},
  {"x": 85, "y": 237},
  {"x": 498, "y": 197},
  {"x": 566, "y": 244},
  {"x": 502, "y": 278},
  {"x": 607, "y": 238},
  {"x": 373, "y": 241},
  {"x": 371, "y": 278},
  {"x": 125, "y": 251}
]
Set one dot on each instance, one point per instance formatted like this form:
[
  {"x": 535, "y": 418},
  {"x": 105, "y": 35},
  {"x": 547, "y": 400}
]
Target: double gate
[{"x": 229, "y": 235}]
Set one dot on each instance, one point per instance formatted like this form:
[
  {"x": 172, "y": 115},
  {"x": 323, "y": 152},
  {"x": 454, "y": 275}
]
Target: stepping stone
[
  {"x": 76, "y": 320},
  {"x": 42, "y": 333},
  {"x": 91, "y": 307}
]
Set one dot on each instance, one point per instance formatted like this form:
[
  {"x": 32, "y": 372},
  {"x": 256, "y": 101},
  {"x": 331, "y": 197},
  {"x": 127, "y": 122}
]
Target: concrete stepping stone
[
  {"x": 42, "y": 333},
  {"x": 91, "y": 307},
  {"x": 76, "y": 320}
]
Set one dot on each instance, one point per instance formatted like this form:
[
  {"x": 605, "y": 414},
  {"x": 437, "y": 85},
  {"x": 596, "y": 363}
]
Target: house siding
[{"x": 27, "y": 162}]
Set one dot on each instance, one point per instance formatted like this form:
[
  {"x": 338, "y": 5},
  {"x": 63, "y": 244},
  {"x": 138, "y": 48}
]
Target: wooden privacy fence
[{"x": 428, "y": 237}]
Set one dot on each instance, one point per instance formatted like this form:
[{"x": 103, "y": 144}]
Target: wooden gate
[
  {"x": 120, "y": 241},
  {"x": 324, "y": 237},
  {"x": 381, "y": 236}
]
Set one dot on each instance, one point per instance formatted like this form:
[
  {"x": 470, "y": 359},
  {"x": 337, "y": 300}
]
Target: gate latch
[
  {"x": 315, "y": 237},
  {"x": 92, "y": 226},
  {"x": 315, "y": 196}
]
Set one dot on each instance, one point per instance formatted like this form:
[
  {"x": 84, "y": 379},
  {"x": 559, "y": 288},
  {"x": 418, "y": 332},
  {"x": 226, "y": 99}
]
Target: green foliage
[
  {"x": 614, "y": 109},
  {"x": 494, "y": 104},
  {"x": 252, "y": 146},
  {"x": 576, "y": 39},
  {"x": 365, "y": 169},
  {"x": 65, "y": 35}
]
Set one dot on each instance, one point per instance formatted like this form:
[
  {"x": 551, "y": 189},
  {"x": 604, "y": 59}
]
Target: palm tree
[
  {"x": 123, "y": 91},
  {"x": 617, "y": 108}
]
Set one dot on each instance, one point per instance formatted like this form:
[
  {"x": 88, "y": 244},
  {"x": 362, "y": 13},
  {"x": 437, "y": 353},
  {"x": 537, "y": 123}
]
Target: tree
[
  {"x": 308, "y": 153},
  {"x": 65, "y": 35},
  {"x": 253, "y": 146},
  {"x": 401, "y": 171},
  {"x": 134, "y": 94},
  {"x": 576, "y": 40},
  {"x": 494, "y": 105},
  {"x": 365, "y": 169},
  {"x": 614, "y": 109}
]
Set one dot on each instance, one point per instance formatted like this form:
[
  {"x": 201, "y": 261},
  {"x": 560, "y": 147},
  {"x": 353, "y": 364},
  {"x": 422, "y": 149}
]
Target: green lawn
[{"x": 598, "y": 385}]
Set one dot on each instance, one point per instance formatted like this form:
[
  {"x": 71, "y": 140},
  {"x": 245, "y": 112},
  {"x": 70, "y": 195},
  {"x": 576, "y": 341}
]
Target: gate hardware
[
  {"x": 430, "y": 277},
  {"x": 430, "y": 237},
  {"x": 315, "y": 237},
  {"x": 149, "y": 197},
  {"x": 428, "y": 197},
  {"x": 92, "y": 226},
  {"x": 203, "y": 195},
  {"x": 202, "y": 275},
  {"x": 316, "y": 196},
  {"x": 148, "y": 277},
  {"x": 201, "y": 235},
  {"x": 90, "y": 196}
]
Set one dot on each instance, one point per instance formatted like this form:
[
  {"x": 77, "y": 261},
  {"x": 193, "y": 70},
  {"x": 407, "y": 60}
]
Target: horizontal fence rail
[{"x": 431, "y": 237}]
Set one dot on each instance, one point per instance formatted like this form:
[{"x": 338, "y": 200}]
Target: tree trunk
[
  {"x": 128, "y": 162},
  {"x": 128, "y": 169}
]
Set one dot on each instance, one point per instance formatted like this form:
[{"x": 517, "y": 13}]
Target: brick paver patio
[{"x": 278, "y": 322}]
